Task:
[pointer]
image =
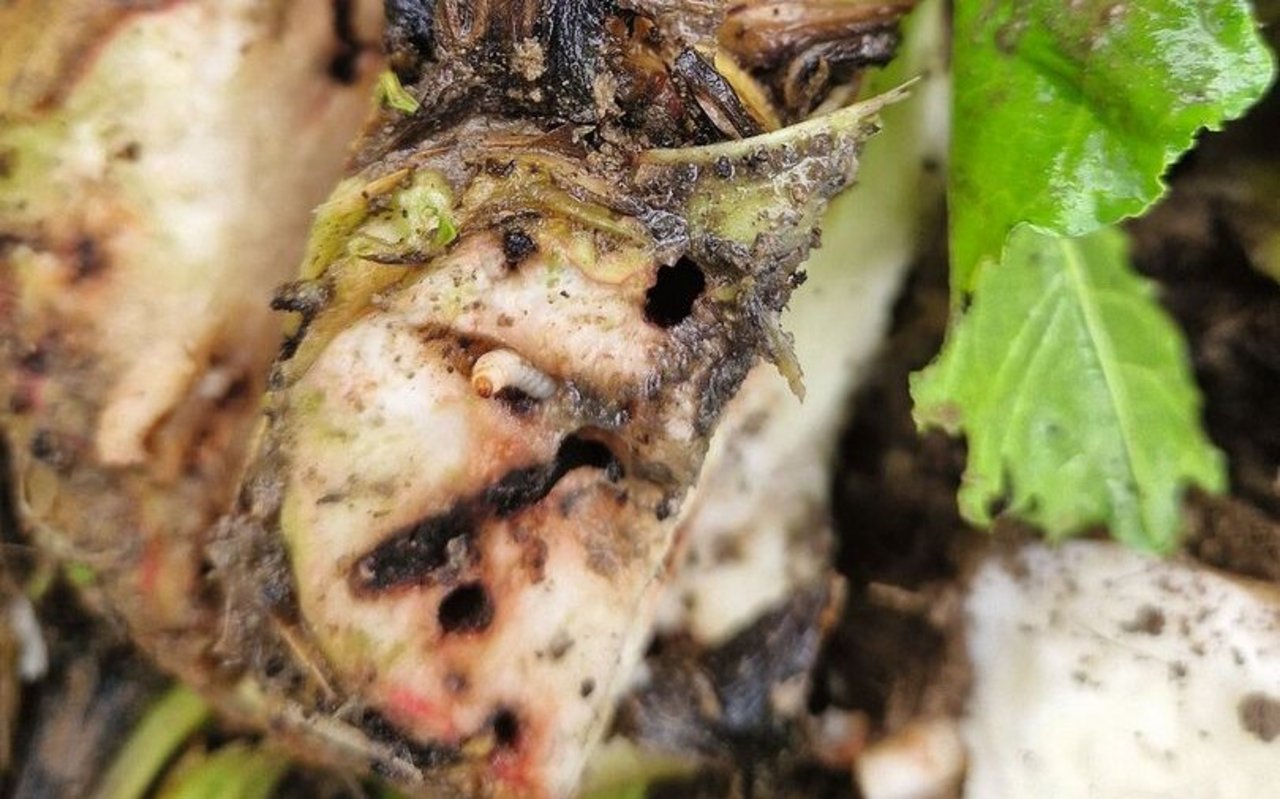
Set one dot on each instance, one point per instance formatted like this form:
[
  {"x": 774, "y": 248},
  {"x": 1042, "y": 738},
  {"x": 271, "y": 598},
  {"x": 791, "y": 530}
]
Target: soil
[
  {"x": 1260, "y": 715},
  {"x": 902, "y": 543}
]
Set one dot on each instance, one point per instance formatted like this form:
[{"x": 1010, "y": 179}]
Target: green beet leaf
[
  {"x": 1068, "y": 113},
  {"x": 1073, "y": 389}
]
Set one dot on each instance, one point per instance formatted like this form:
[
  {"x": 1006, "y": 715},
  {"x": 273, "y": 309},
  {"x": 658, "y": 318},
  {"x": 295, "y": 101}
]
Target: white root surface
[
  {"x": 1101, "y": 673},
  {"x": 923, "y": 760},
  {"x": 154, "y": 209},
  {"x": 390, "y": 430},
  {"x": 33, "y": 653},
  {"x": 230, "y": 195}
]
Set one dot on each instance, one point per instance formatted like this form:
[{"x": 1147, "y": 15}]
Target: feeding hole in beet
[
  {"x": 669, "y": 301},
  {"x": 466, "y": 609},
  {"x": 506, "y": 728},
  {"x": 520, "y": 488}
]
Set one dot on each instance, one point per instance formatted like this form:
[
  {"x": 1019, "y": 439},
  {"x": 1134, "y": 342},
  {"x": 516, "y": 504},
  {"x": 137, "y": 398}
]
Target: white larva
[{"x": 503, "y": 368}]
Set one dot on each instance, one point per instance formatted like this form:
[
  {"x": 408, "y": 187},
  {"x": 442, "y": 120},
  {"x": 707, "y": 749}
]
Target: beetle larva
[{"x": 505, "y": 370}]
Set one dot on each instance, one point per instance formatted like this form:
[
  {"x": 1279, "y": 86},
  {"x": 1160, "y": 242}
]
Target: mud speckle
[
  {"x": 89, "y": 260},
  {"x": 131, "y": 152},
  {"x": 560, "y": 645},
  {"x": 52, "y": 448},
  {"x": 34, "y": 361},
  {"x": 1149, "y": 620},
  {"x": 1260, "y": 715},
  {"x": 517, "y": 245}
]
